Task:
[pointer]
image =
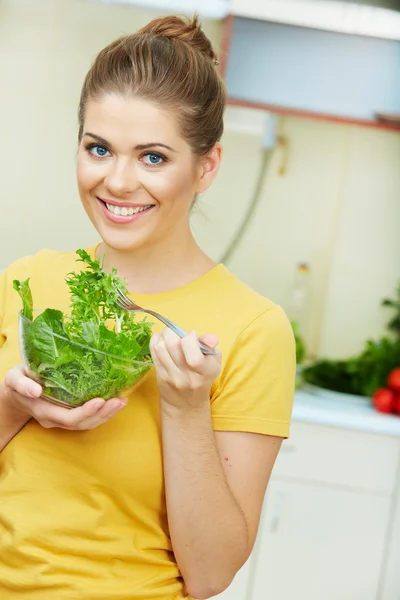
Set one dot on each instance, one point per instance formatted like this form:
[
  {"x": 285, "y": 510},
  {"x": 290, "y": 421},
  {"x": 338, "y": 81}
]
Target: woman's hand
[
  {"x": 184, "y": 373},
  {"x": 22, "y": 394}
]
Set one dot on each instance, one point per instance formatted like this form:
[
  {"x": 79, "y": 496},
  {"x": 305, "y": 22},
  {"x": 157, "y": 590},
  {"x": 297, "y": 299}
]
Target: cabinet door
[
  {"x": 391, "y": 580},
  {"x": 319, "y": 542}
]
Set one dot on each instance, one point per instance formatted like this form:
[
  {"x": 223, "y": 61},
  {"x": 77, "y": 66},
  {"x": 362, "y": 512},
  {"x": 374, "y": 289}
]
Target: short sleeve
[{"x": 256, "y": 388}]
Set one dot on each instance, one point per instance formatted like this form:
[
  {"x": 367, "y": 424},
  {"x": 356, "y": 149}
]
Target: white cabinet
[
  {"x": 330, "y": 526},
  {"x": 391, "y": 579},
  {"x": 339, "y": 457},
  {"x": 327, "y": 529},
  {"x": 318, "y": 541}
]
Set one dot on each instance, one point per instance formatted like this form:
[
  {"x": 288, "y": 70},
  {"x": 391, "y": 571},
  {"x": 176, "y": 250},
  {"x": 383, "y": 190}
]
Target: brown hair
[{"x": 170, "y": 62}]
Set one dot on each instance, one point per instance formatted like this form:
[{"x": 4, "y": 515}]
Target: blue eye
[
  {"x": 153, "y": 159},
  {"x": 98, "y": 151}
]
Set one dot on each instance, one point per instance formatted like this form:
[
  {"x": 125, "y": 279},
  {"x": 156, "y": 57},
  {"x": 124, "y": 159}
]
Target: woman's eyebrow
[
  {"x": 97, "y": 138},
  {"x": 138, "y": 147},
  {"x": 152, "y": 145}
]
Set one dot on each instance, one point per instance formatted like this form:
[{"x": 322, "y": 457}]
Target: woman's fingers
[
  {"x": 89, "y": 415},
  {"x": 163, "y": 360},
  {"x": 43, "y": 410},
  {"x": 196, "y": 360},
  {"x": 210, "y": 340},
  {"x": 173, "y": 344},
  {"x": 194, "y": 357},
  {"x": 103, "y": 414},
  {"x": 25, "y": 394},
  {"x": 17, "y": 380}
]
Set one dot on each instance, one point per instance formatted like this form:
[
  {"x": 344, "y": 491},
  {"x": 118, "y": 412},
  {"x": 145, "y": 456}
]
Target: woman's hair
[{"x": 170, "y": 62}]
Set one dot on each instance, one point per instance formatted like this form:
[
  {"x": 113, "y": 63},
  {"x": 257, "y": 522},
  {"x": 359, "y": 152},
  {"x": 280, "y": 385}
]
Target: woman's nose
[{"x": 121, "y": 179}]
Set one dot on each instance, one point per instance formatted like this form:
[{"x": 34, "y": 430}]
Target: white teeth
[{"x": 124, "y": 210}]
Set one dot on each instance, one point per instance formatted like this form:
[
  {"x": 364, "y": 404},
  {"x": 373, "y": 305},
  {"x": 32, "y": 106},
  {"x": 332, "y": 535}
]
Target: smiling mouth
[{"x": 125, "y": 211}]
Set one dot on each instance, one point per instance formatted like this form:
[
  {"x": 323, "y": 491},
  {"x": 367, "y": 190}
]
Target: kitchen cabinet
[
  {"x": 330, "y": 526},
  {"x": 326, "y": 518},
  {"x": 320, "y": 542},
  {"x": 391, "y": 575}
]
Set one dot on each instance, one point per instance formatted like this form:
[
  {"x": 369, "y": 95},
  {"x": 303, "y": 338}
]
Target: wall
[
  {"x": 337, "y": 206},
  {"x": 46, "y": 47}
]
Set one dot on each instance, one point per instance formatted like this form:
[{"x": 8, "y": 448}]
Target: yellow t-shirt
[{"x": 82, "y": 513}]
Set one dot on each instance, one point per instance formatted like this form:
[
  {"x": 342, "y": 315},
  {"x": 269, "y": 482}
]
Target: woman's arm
[
  {"x": 215, "y": 485},
  {"x": 215, "y": 482},
  {"x": 11, "y": 420}
]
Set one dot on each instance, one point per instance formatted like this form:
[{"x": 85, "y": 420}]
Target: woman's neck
[{"x": 150, "y": 270}]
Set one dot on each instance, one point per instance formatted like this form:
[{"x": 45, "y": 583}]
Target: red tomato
[
  {"x": 394, "y": 379},
  {"x": 384, "y": 400},
  {"x": 397, "y": 404}
]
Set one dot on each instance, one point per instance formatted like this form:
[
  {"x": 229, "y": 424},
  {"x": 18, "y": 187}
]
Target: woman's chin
[{"x": 122, "y": 243}]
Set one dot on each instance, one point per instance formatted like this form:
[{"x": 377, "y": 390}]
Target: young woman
[{"x": 157, "y": 496}]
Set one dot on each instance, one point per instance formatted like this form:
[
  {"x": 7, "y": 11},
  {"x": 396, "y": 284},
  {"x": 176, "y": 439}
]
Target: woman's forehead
[{"x": 119, "y": 116}]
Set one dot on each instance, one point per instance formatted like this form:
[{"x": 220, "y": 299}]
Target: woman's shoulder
[
  {"x": 46, "y": 271},
  {"x": 238, "y": 298},
  {"x": 46, "y": 263},
  {"x": 244, "y": 320}
]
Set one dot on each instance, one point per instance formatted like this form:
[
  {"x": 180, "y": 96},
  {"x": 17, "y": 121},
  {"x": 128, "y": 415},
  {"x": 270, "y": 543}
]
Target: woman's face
[{"x": 137, "y": 176}]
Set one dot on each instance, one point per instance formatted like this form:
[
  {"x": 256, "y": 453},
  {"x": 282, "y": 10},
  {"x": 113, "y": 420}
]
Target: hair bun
[{"x": 184, "y": 30}]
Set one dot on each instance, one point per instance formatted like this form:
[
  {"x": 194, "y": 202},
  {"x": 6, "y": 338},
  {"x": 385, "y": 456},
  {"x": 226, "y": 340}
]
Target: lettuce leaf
[{"x": 24, "y": 290}]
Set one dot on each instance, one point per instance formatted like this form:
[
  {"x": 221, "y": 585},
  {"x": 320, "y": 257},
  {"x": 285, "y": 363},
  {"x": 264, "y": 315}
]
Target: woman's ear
[{"x": 209, "y": 167}]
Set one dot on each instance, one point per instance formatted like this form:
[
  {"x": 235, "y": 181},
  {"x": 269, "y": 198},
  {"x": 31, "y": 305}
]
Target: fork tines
[{"x": 123, "y": 299}]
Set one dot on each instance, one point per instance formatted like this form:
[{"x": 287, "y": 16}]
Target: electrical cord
[{"x": 267, "y": 154}]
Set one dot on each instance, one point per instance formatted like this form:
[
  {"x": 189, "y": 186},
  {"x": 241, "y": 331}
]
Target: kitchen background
[{"x": 306, "y": 153}]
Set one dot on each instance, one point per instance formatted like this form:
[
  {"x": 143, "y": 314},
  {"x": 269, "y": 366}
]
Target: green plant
[
  {"x": 394, "y": 323},
  {"x": 365, "y": 373},
  {"x": 362, "y": 374},
  {"x": 300, "y": 346}
]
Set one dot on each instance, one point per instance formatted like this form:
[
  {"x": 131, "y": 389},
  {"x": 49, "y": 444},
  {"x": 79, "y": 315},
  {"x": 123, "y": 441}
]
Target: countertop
[{"x": 323, "y": 407}]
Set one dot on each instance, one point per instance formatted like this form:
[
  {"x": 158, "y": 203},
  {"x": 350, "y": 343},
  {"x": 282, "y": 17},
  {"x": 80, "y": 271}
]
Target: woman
[{"x": 160, "y": 496}]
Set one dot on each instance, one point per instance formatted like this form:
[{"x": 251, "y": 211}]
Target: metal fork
[{"x": 125, "y": 303}]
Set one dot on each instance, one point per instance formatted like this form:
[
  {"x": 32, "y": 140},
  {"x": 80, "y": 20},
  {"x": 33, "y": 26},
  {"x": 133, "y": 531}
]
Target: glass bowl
[{"x": 72, "y": 373}]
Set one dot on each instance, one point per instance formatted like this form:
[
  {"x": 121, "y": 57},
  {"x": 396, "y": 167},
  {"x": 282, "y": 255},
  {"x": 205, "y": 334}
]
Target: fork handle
[{"x": 181, "y": 332}]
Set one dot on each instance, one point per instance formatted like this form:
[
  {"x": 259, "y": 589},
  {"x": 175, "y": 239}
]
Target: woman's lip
[
  {"x": 121, "y": 204},
  {"x": 121, "y": 219}
]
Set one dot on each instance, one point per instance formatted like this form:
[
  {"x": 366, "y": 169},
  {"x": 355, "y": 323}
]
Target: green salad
[{"x": 98, "y": 350}]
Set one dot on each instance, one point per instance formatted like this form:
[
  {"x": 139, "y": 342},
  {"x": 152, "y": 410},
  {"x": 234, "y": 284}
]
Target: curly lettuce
[{"x": 98, "y": 350}]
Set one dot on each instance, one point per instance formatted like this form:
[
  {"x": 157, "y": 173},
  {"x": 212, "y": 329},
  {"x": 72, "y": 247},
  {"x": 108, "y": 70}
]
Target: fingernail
[
  {"x": 115, "y": 404},
  {"x": 34, "y": 390},
  {"x": 155, "y": 338}
]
